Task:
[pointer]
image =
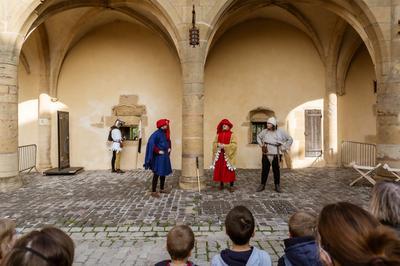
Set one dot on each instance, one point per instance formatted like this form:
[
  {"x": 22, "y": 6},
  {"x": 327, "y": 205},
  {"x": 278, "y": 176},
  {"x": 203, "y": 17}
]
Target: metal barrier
[
  {"x": 357, "y": 152},
  {"x": 27, "y": 157}
]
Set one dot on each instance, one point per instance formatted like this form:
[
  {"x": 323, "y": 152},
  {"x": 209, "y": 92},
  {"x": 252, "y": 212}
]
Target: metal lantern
[{"x": 194, "y": 32}]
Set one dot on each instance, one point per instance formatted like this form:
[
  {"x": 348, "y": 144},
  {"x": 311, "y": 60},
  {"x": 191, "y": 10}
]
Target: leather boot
[
  {"x": 278, "y": 188},
  {"x": 260, "y": 188}
]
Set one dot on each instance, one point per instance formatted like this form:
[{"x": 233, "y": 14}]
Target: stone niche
[{"x": 129, "y": 111}]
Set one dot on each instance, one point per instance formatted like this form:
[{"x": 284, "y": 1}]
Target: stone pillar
[
  {"x": 330, "y": 117},
  {"x": 9, "y": 178},
  {"x": 192, "y": 117},
  {"x": 388, "y": 103},
  {"x": 44, "y": 137}
]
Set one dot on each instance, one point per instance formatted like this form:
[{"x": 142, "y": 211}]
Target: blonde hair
[
  {"x": 7, "y": 231},
  {"x": 385, "y": 204}
]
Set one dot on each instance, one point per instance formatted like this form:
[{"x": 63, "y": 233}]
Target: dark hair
[
  {"x": 46, "y": 247},
  {"x": 180, "y": 242},
  {"x": 302, "y": 224},
  {"x": 240, "y": 225},
  {"x": 352, "y": 236}
]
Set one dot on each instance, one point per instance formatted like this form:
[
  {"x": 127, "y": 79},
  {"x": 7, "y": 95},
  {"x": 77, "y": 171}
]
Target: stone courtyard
[{"x": 114, "y": 221}]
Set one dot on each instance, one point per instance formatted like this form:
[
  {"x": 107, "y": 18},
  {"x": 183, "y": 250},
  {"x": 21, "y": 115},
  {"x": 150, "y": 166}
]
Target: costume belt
[{"x": 277, "y": 147}]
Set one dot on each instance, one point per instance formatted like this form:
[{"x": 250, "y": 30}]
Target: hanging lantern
[{"x": 194, "y": 32}]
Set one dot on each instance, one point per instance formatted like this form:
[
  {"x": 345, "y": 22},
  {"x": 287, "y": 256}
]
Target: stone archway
[
  {"x": 355, "y": 15},
  {"x": 27, "y": 17}
]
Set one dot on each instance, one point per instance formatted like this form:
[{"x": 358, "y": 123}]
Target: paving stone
[
  {"x": 122, "y": 229},
  {"x": 113, "y": 224},
  {"x": 133, "y": 228}
]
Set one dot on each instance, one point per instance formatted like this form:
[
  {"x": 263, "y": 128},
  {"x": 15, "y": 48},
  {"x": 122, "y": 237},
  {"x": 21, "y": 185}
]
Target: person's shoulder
[
  {"x": 162, "y": 263},
  {"x": 217, "y": 260},
  {"x": 263, "y": 255},
  {"x": 155, "y": 133},
  {"x": 262, "y": 132}
]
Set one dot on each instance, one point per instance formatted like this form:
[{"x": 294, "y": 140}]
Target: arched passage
[
  {"x": 335, "y": 35},
  {"x": 129, "y": 32}
]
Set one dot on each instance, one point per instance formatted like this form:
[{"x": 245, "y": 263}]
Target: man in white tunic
[
  {"x": 116, "y": 138},
  {"x": 273, "y": 142}
]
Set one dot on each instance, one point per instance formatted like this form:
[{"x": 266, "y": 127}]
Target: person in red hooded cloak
[{"x": 224, "y": 155}]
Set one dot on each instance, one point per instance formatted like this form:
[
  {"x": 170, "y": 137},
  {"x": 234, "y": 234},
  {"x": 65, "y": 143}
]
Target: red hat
[
  {"x": 162, "y": 122},
  {"x": 224, "y": 122}
]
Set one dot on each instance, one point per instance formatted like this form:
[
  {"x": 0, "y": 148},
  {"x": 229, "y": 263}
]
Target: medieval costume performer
[
  {"x": 224, "y": 155},
  {"x": 273, "y": 141},
  {"x": 115, "y": 136},
  {"x": 157, "y": 155}
]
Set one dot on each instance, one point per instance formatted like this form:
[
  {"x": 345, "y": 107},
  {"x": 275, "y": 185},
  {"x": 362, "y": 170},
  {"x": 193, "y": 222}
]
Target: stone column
[
  {"x": 44, "y": 137},
  {"x": 388, "y": 103},
  {"x": 192, "y": 116},
  {"x": 8, "y": 112},
  {"x": 330, "y": 117}
]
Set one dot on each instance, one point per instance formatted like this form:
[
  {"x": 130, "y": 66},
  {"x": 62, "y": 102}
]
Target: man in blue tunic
[{"x": 157, "y": 155}]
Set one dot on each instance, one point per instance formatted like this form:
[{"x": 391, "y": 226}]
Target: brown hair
[
  {"x": 46, "y": 247},
  {"x": 352, "y": 236},
  {"x": 180, "y": 242},
  {"x": 7, "y": 232},
  {"x": 385, "y": 202},
  {"x": 302, "y": 224},
  {"x": 240, "y": 225}
]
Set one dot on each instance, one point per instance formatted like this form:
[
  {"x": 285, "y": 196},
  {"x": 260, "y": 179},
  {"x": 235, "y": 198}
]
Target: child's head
[
  {"x": 180, "y": 242},
  {"x": 302, "y": 224},
  {"x": 48, "y": 246},
  {"x": 239, "y": 225},
  {"x": 7, "y": 236}
]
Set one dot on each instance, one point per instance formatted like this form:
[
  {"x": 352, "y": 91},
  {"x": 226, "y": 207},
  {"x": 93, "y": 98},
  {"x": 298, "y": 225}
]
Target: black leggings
[
  {"x": 114, "y": 156},
  {"x": 266, "y": 165},
  {"x": 155, "y": 180}
]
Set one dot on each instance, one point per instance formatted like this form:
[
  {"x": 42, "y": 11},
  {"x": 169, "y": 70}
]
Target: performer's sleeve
[
  {"x": 231, "y": 149},
  {"x": 156, "y": 150},
  {"x": 149, "y": 152},
  {"x": 215, "y": 145},
  {"x": 288, "y": 140},
  {"x": 260, "y": 137}
]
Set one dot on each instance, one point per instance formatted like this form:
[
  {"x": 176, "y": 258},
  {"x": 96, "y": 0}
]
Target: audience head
[
  {"x": 46, "y": 247},
  {"x": 385, "y": 202},
  {"x": 352, "y": 236},
  {"x": 302, "y": 224},
  {"x": 8, "y": 236},
  {"x": 180, "y": 242},
  {"x": 240, "y": 225}
]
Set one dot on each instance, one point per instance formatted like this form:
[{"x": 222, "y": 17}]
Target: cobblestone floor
[{"x": 114, "y": 221}]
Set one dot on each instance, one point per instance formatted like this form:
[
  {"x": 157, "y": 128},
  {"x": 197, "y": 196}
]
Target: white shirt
[
  {"x": 117, "y": 137},
  {"x": 273, "y": 138}
]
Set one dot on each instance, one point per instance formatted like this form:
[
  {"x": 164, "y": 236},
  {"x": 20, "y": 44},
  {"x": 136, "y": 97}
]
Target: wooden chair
[
  {"x": 393, "y": 171},
  {"x": 365, "y": 172}
]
